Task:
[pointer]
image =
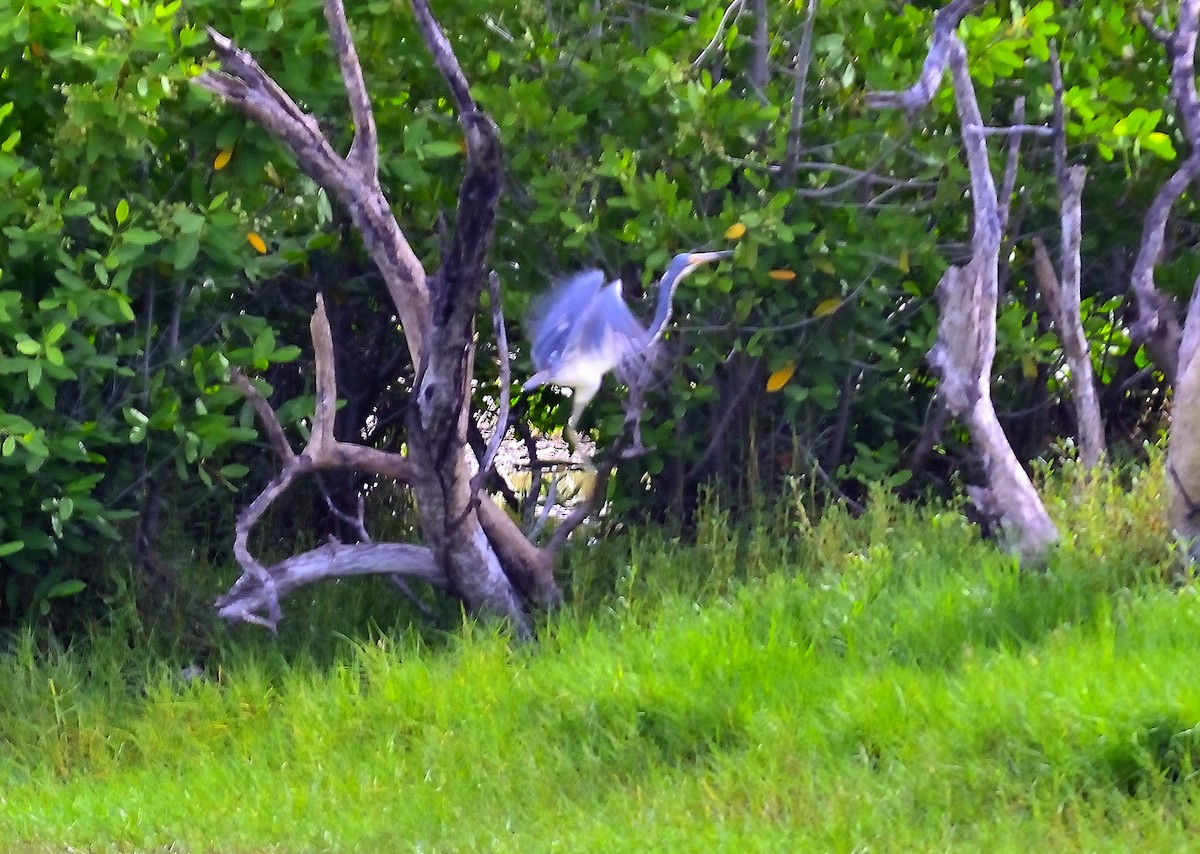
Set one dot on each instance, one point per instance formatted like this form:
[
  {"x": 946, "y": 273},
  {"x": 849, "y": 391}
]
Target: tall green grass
[{"x": 886, "y": 682}]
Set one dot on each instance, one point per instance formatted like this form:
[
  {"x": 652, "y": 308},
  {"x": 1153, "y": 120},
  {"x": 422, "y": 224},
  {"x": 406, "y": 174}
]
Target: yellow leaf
[
  {"x": 827, "y": 306},
  {"x": 735, "y": 231},
  {"x": 822, "y": 264},
  {"x": 781, "y": 275},
  {"x": 780, "y": 378},
  {"x": 902, "y": 262},
  {"x": 1029, "y": 367},
  {"x": 257, "y": 242},
  {"x": 223, "y": 158}
]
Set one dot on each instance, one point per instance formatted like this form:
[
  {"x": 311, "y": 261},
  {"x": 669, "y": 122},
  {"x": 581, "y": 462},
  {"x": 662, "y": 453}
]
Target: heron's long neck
[{"x": 666, "y": 293}]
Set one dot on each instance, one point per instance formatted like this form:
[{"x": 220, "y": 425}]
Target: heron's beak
[{"x": 695, "y": 258}]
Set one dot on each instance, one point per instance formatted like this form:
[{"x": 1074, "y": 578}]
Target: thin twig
[
  {"x": 800, "y": 82},
  {"x": 358, "y": 523},
  {"x": 1059, "y": 122},
  {"x": 265, "y": 414},
  {"x": 544, "y": 514},
  {"x": 734, "y": 8},
  {"x": 485, "y": 464},
  {"x": 1009, "y": 182}
]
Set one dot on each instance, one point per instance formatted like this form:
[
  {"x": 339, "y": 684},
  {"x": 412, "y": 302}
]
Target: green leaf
[
  {"x": 27, "y": 346},
  {"x": 187, "y": 247},
  {"x": 287, "y": 353},
  {"x": 440, "y": 148},
  {"x": 1159, "y": 143},
  {"x": 66, "y": 588},
  {"x": 122, "y": 211},
  {"x": 141, "y": 236}
]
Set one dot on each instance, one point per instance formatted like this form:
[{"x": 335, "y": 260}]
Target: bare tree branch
[
  {"x": 243, "y": 84},
  {"x": 497, "y": 439},
  {"x": 1157, "y": 318},
  {"x": 1013, "y": 163},
  {"x": 249, "y": 596},
  {"x": 731, "y": 11},
  {"x": 1180, "y": 45},
  {"x": 968, "y": 297},
  {"x": 364, "y": 151},
  {"x": 760, "y": 63},
  {"x": 1157, "y": 324},
  {"x": 945, "y": 22},
  {"x": 265, "y": 414},
  {"x": 1059, "y": 123},
  {"x": 444, "y": 58},
  {"x": 800, "y": 82}
]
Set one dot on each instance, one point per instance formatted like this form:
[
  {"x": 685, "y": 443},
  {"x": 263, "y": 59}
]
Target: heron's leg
[
  {"x": 583, "y": 396},
  {"x": 635, "y": 405}
]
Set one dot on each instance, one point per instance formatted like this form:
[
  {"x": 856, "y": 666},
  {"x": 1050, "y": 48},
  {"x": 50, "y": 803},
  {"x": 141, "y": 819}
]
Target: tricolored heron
[{"x": 584, "y": 329}]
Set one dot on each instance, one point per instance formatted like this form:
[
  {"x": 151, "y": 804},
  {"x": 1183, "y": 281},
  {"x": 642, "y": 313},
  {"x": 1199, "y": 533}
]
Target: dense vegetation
[
  {"x": 153, "y": 239},
  {"x": 768, "y": 644},
  {"x": 885, "y": 682}
]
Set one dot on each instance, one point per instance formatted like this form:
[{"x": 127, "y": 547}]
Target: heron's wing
[
  {"x": 625, "y": 339},
  {"x": 557, "y": 315}
]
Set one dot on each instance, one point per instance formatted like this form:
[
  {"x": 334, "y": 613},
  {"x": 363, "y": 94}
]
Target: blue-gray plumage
[{"x": 583, "y": 329}]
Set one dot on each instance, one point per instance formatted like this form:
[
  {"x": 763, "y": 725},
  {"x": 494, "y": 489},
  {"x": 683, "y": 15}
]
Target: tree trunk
[{"x": 968, "y": 298}]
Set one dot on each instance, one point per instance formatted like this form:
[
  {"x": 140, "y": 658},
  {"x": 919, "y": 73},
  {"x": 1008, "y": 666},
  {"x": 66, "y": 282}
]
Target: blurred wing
[
  {"x": 623, "y": 337},
  {"x": 557, "y": 315}
]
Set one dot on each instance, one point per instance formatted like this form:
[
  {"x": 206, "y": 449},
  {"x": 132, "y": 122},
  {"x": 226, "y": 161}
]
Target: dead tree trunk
[
  {"x": 968, "y": 296},
  {"x": 1174, "y": 349},
  {"x": 1062, "y": 295},
  {"x": 471, "y": 547}
]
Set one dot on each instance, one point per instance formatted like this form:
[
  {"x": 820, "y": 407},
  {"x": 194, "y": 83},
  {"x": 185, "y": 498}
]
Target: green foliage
[
  {"x": 153, "y": 239},
  {"x": 120, "y": 255},
  {"x": 882, "y": 680}
]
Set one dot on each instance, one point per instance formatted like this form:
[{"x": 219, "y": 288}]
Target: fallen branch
[{"x": 249, "y": 596}]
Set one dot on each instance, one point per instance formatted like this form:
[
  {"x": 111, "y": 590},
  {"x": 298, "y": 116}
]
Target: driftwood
[
  {"x": 471, "y": 546},
  {"x": 967, "y": 297}
]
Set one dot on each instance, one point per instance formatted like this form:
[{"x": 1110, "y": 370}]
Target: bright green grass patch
[{"x": 886, "y": 683}]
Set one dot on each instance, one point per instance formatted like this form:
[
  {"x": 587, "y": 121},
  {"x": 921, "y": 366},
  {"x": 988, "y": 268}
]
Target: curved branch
[
  {"x": 364, "y": 151},
  {"x": 250, "y": 595},
  {"x": 945, "y": 22},
  {"x": 1157, "y": 324},
  {"x": 734, "y": 8},
  {"x": 443, "y": 57}
]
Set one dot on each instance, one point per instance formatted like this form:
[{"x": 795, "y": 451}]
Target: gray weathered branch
[
  {"x": 799, "y": 86},
  {"x": 242, "y": 83},
  {"x": 1157, "y": 324},
  {"x": 364, "y": 150},
  {"x": 249, "y": 597},
  {"x": 968, "y": 298},
  {"x": 916, "y": 96},
  {"x": 1157, "y": 318}
]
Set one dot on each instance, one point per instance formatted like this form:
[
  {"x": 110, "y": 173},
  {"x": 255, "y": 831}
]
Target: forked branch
[{"x": 968, "y": 298}]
